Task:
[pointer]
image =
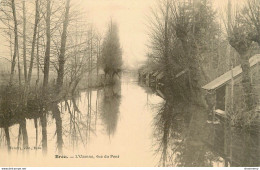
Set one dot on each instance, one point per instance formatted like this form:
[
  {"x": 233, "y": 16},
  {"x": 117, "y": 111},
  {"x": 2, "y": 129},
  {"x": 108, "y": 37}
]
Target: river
[{"x": 128, "y": 125}]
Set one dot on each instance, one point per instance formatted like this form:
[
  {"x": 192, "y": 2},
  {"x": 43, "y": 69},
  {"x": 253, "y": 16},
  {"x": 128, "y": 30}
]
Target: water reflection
[
  {"x": 58, "y": 122},
  {"x": 186, "y": 138},
  {"x": 110, "y": 107},
  {"x": 131, "y": 121},
  {"x": 86, "y": 112}
]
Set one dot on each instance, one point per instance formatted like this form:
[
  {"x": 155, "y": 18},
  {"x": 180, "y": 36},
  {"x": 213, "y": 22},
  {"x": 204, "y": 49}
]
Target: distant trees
[{"x": 111, "y": 52}]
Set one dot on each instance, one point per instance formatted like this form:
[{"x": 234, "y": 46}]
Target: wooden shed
[{"x": 219, "y": 89}]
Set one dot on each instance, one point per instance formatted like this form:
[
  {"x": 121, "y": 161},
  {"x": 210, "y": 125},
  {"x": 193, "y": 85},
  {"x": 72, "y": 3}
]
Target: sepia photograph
[{"x": 129, "y": 83}]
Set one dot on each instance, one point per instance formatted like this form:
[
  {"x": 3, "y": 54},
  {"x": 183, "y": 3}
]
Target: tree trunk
[
  {"x": 44, "y": 131},
  {"x": 34, "y": 39},
  {"x": 57, "y": 117},
  {"x": 91, "y": 60},
  {"x": 242, "y": 45},
  {"x": 246, "y": 81},
  {"x": 24, "y": 42},
  {"x": 15, "y": 42},
  {"x": 19, "y": 67},
  {"x": 48, "y": 46},
  {"x": 45, "y": 78},
  {"x": 63, "y": 48},
  {"x": 24, "y": 132},
  {"x": 36, "y": 131},
  {"x": 37, "y": 56},
  {"x": 7, "y": 138}
]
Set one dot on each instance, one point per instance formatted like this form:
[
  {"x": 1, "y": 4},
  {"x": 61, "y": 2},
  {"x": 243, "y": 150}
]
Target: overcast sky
[{"x": 132, "y": 18}]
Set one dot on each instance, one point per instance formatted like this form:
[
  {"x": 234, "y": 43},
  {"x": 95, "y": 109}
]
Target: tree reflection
[
  {"x": 76, "y": 123},
  {"x": 57, "y": 116},
  {"x": 163, "y": 123},
  {"x": 184, "y": 138},
  {"x": 81, "y": 122},
  {"x": 180, "y": 133},
  {"x": 110, "y": 107}
]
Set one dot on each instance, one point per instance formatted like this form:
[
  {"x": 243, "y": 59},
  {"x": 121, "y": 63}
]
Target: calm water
[{"x": 129, "y": 125}]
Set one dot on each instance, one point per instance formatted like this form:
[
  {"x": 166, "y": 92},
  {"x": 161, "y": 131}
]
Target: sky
[{"x": 132, "y": 17}]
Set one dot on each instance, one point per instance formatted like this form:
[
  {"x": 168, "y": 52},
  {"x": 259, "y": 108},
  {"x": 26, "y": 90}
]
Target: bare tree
[
  {"x": 15, "y": 41},
  {"x": 34, "y": 39},
  {"x": 46, "y": 75},
  {"x": 63, "y": 48},
  {"x": 24, "y": 42}
]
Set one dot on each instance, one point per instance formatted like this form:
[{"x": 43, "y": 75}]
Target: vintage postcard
[{"x": 129, "y": 83}]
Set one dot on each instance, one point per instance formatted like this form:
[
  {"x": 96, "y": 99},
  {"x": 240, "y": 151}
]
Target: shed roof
[{"x": 226, "y": 77}]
